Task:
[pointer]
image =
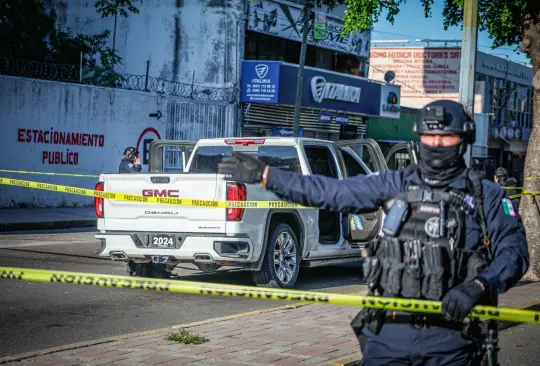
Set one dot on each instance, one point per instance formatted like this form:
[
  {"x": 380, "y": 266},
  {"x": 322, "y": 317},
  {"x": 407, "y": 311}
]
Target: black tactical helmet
[
  {"x": 446, "y": 117},
  {"x": 130, "y": 152},
  {"x": 501, "y": 172}
]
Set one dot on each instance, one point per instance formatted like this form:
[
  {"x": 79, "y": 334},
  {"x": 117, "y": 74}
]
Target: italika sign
[
  {"x": 321, "y": 89},
  {"x": 260, "y": 82}
]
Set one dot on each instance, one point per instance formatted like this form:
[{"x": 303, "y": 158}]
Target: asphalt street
[
  {"x": 39, "y": 315},
  {"x": 519, "y": 345}
]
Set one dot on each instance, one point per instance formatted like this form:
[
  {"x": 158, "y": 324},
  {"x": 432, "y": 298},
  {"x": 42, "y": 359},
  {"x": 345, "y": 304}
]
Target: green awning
[{"x": 393, "y": 129}]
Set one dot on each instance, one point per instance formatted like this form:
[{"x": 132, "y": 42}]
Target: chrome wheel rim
[{"x": 285, "y": 257}]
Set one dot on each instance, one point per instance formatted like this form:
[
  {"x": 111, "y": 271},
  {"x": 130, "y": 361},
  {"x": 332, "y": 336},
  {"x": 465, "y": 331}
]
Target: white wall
[
  {"x": 183, "y": 39},
  {"x": 117, "y": 118}
]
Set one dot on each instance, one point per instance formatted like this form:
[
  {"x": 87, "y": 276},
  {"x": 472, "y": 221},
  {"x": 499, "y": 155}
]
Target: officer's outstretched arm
[
  {"x": 350, "y": 195},
  {"x": 508, "y": 240}
]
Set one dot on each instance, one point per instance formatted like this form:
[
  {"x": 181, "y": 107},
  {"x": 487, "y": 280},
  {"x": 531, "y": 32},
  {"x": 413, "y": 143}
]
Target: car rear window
[{"x": 207, "y": 158}]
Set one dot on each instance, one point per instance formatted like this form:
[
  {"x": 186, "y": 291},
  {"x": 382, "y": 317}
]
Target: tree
[
  {"x": 508, "y": 22},
  {"x": 115, "y": 7}
]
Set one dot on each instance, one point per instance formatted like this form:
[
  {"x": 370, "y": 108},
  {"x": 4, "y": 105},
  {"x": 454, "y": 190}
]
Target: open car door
[
  {"x": 170, "y": 156},
  {"x": 401, "y": 156},
  {"x": 361, "y": 157}
]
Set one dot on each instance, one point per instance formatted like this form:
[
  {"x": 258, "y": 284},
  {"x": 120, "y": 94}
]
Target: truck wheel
[{"x": 281, "y": 262}]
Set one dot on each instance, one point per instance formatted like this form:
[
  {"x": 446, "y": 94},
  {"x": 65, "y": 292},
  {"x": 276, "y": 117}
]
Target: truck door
[
  {"x": 361, "y": 157},
  {"x": 170, "y": 156},
  {"x": 401, "y": 155}
]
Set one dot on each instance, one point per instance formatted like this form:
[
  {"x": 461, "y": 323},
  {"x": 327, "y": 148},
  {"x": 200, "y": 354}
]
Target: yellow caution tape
[
  {"x": 511, "y": 188},
  {"x": 201, "y": 288},
  {"x": 45, "y": 173},
  {"x": 142, "y": 199}
]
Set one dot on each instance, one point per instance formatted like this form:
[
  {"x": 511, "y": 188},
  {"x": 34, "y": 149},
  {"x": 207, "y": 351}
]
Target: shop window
[{"x": 264, "y": 47}]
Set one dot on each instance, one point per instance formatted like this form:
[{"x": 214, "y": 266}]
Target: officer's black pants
[{"x": 403, "y": 344}]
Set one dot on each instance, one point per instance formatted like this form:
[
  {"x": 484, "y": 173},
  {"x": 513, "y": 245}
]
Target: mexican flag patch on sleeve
[{"x": 509, "y": 207}]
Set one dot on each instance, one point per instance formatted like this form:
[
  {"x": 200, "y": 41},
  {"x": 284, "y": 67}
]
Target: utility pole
[
  {"x": 468, "y": 60},
  {"x": 300, "y": 80}
]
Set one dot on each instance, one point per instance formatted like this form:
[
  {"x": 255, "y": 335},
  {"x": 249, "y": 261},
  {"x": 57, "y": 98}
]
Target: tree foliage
[
  {"x": 500, "y": 18},
  {"x": 24, "y": 27},
  {"x": 121, "y": 7}
]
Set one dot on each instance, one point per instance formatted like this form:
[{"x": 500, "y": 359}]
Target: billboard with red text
[{"x": 424, "y": 73}]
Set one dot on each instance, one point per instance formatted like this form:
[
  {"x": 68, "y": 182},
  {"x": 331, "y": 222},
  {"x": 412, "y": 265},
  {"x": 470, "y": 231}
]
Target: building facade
[
  {"x": 503, "y": 96},
  {"x": 231, "y": 44},
  {"x": 337, "y": 98}
]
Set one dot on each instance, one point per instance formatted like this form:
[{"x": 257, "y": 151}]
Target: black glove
[
  {"x": 459, "y": 301},
  {"x": 242, "y": 168}
]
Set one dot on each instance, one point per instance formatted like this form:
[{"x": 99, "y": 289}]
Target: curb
[
  {"x": 355, "y": 358},
  {"x": 46, "y": 225}
]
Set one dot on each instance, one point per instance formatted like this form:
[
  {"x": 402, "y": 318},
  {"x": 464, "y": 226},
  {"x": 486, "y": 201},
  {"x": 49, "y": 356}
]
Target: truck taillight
[
  {"x": 235, "y": 192},
  {"x": 98, "y": 202}
]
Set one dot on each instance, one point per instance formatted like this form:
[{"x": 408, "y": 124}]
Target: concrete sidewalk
[
  {"x": 17, "y": 219},
  {"x": 310, "y": 334}
]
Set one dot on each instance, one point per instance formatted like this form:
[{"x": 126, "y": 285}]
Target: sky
[{"x": 411, "y": 24}]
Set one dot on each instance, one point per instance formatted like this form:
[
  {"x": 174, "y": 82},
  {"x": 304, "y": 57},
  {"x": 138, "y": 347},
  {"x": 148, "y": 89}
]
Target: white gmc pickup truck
[{"x": 271, "y": 243}]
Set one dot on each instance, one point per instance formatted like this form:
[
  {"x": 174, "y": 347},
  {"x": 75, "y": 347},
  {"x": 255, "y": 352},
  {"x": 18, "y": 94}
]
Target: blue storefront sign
[
  {"x": 325, "y": 117},
  {"x": 260, "y": 82},
  {"x": 275, "y": 82},
  {"x": 286, "y": 132},
  {"x": 342, "y": 119}
]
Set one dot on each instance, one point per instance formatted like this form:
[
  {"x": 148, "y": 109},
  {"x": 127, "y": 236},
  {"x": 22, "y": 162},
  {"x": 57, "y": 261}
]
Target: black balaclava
[{"x": 442, "y": 164}]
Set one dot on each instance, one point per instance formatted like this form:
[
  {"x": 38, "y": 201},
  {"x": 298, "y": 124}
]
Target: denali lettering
[
  {"x": 160, "y": 213},
  {"x": 160, "y": 193}
]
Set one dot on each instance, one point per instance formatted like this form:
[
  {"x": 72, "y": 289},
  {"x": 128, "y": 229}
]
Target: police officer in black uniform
[
  {"x": 447, "y": 237},
  {"x": 131, "y": 162}
]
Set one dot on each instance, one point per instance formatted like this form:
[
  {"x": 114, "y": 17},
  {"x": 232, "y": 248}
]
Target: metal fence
[
  {"x": 72, "y": 73},
  {"x": 192, "y": 121},
  {"x": 39, "y": 70}
]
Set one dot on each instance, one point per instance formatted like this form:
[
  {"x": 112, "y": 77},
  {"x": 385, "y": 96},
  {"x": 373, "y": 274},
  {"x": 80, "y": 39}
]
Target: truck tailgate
[{"x": 149, "y": 217}]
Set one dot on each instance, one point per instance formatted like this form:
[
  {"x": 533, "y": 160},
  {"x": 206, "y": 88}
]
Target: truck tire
[{"x": 281, "y": 262}]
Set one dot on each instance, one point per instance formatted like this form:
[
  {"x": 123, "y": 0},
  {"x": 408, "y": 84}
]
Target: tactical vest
[{"x": 422, "y": 252}]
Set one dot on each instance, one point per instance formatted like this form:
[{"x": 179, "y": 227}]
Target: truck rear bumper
[{"x": 196, "y": 249}]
